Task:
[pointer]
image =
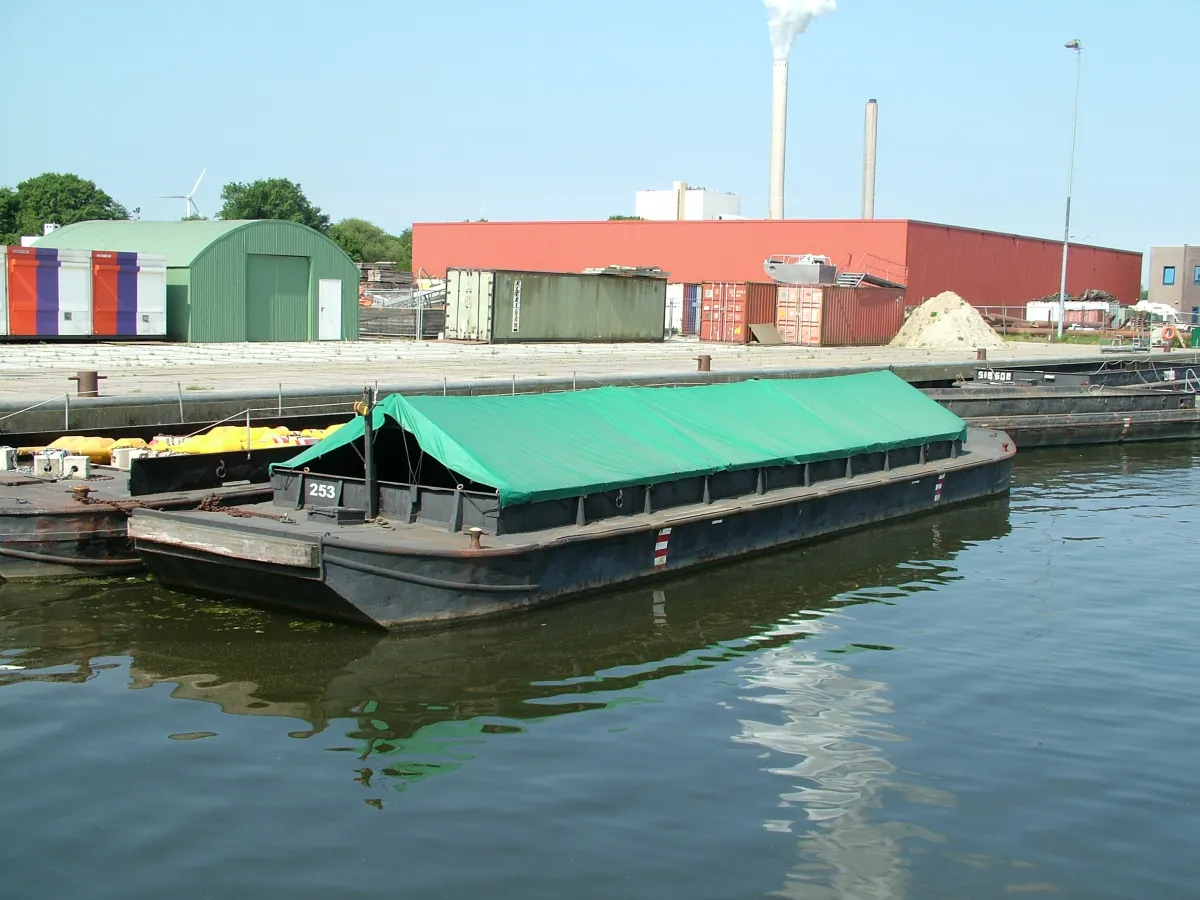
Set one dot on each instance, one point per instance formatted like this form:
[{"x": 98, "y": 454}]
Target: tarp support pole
[
  {"x": 954, "y": 449},
  {"x": 923, "y": 454},
  {"x": 456, "y": 516},
  {"x": 580, "y": 518},
  {"x": 807, "y": 475},
  {"x": 648, "y": 507},
  {"x": 849, "y": 466},
  {"x": 707, "y": 493},
  {"x": 761, "y": 487},
  {"x": 370, "y": 481},
  {"x": 887, "y": 460}
]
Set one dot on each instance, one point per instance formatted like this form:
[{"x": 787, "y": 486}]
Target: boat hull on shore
[{"x": 391, "y": 578}]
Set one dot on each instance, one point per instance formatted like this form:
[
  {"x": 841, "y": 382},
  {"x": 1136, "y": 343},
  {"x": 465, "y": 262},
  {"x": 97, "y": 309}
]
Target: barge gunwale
[{"x": 671, "y": 517}]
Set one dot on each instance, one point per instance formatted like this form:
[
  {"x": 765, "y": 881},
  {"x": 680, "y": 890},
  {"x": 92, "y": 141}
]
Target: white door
[
  {"x": 152, "y": 297},
  {"x": 329, "y": 309},
  {"x": 74, "y": 292}
]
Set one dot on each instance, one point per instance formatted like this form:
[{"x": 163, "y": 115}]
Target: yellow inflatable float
[{"x": 222, "y": 439}]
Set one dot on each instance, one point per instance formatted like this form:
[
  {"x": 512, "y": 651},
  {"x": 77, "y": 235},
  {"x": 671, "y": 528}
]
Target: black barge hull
[
  {"x": 46, "y": 532},
  {"x": 44, "y": 542},
  {"x": 399, "y": 585}
]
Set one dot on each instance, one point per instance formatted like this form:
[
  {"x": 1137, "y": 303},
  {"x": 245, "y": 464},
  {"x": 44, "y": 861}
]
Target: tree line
[{"x": 64, "y": 199}]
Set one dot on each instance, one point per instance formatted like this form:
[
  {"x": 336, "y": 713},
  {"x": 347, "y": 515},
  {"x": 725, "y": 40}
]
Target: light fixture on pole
[{"x": 1077, "y": 46}]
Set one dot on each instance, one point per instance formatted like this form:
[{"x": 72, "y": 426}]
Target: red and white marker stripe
[
  {"x": 660, "y": 548},
  {"x": 937, "y": 488}
]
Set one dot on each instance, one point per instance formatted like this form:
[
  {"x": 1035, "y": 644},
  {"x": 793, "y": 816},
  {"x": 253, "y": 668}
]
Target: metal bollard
[
  {"x": 704, "y": 363},
  {"x": 87, "y": 383}
]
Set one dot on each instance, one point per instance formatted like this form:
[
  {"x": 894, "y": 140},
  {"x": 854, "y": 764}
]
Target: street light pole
[{"x": 1077, "y": 46}]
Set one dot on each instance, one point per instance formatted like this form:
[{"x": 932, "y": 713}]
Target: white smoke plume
[{"x": 788, "y": 19}]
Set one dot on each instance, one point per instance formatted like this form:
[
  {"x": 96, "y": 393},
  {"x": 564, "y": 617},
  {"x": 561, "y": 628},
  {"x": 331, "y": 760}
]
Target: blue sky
[{"x": 409, "y": 111}]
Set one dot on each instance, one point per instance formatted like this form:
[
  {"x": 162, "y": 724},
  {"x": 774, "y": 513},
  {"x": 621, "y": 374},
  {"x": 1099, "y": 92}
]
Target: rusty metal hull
[
  {"x": 413, "y": 577},
  {"x": 44, "y": 536}
]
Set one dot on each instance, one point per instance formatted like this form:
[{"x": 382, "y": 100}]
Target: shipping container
[
  {"x": 1078, "y": 312},
  {"x": 683, "y": 307},
  {"x": 3, "y": 290},
  {"x": 728, "y": 309},
  {"x": 834, "y": 316},
  {"x": 691, "y": 308},
  {"x": 49, "y": 292},
  {"x": 503, "y": 306},
  {"x": 129, "y": 294}
]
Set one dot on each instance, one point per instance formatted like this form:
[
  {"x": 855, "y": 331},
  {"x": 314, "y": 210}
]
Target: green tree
[
  {"x": 367, "y": 242},
  {"x": 271, "y": 198},
  {"x": 53, "y": 197},
  {"x": 620, "y": 218},
  {"x": 8, "y": 216}
]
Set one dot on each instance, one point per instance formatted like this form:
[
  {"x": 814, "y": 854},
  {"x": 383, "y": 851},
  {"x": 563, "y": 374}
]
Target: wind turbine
[{"x": 189, "y": 206}]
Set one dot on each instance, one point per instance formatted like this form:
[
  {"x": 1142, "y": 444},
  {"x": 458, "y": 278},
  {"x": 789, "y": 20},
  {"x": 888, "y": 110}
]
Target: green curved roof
[{"x": 179, "y": 242}]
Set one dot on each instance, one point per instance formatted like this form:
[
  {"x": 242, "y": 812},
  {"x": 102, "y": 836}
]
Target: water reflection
[
  {"x": 831, "y": 729},
  {"x": 419, "y": 701}
]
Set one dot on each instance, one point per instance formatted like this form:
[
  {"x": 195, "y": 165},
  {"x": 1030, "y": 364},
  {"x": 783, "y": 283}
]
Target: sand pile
[{"x": 947, "y": 322}]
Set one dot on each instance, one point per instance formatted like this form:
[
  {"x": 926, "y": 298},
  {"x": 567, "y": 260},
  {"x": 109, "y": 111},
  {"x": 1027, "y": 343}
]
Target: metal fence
[{"x": 402, "y": 313}]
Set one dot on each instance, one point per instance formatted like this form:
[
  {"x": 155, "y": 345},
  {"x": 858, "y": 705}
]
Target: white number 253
[{"x": 324, "y": 491}]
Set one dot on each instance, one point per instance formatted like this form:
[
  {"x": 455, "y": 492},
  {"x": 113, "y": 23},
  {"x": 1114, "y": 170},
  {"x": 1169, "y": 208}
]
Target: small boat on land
[{"x": 428, "y": 510}]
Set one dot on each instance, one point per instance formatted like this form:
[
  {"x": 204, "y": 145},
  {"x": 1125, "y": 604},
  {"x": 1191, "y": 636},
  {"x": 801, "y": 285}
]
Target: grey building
[{"x": 1175, "y": 278}]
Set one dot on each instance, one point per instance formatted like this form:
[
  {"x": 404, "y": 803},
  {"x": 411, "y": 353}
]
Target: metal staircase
[{"x": 850, "y": 279}]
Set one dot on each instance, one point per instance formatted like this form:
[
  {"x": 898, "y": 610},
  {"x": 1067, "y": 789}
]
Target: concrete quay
[
  {"x": 33, "y": 372},
  {"x": 179, "y": 388}
]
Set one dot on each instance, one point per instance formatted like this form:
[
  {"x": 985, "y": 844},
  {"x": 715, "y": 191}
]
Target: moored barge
[
  {"x": 436, "y": 509},
  {"x": 63, "y": 528}
]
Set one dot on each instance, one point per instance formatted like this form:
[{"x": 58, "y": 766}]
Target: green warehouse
[{"x": 238, "y": 280}]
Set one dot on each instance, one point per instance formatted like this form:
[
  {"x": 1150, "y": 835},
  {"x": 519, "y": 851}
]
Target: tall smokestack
[
  {"x": 870, "y": 144},
  {"x": 787, "y": 20},
  {"x": 778, "y": 136}
]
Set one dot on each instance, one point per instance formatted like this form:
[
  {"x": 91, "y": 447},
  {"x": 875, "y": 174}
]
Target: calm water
[{"x": 1000, "y": 700}]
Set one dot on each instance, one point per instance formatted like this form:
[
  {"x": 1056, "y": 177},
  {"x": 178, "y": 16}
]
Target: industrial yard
[{"x": 444, "y": 498}]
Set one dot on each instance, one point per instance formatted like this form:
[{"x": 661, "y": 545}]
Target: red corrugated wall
[
  {"x": 689, "y": 251},
  {"x": 1004, "y": 270},
  {"x": 986, "y": 268}
]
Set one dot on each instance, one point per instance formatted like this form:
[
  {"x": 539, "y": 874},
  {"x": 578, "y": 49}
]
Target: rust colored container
[
  {"x": 1091, "y": 318},
  {"x": 832, "y": 316},
  {"x": 729, "y": 308}
]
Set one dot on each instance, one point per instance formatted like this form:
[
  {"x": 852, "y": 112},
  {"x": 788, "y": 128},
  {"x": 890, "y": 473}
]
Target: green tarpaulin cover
[{"x": 534, "y": 447}]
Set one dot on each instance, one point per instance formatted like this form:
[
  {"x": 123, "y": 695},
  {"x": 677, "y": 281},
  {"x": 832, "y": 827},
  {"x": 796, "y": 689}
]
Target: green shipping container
[{"x": 520, "y": 307}]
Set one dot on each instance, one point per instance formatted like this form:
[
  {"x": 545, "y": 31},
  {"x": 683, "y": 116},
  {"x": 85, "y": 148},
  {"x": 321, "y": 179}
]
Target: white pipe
[
  {"x": 870, "y": 143},
  {"x": 778, "y": 136}
]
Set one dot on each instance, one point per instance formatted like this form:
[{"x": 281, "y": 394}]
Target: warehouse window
[
  {"x": 1196, "y": 275},
  {"x": 1168, "y": 275}
]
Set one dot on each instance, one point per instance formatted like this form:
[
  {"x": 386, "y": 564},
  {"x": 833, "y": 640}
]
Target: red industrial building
[{"x": 986, "y": 268}]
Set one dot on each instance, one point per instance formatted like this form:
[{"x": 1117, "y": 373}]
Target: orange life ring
[{"x": 1169, "y": 334}]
